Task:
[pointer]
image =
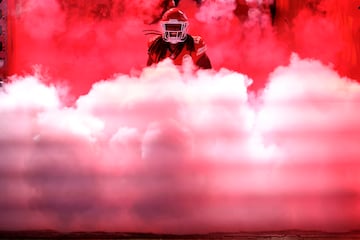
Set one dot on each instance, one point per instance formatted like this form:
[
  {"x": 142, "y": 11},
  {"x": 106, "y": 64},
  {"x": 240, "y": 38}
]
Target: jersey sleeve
[
  {"x": 200, "y": 47},
  {"x": 199, "y": 55}
]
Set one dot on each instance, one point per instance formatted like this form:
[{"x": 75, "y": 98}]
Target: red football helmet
[{"x": 174, "y": 24}]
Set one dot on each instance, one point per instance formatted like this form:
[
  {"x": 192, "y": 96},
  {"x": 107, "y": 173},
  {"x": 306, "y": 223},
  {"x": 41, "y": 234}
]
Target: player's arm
[{"x": 202, "y": 60}]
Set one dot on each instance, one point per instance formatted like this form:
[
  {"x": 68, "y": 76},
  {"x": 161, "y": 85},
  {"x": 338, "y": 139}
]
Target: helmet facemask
[{"x": 174, "y": 31}]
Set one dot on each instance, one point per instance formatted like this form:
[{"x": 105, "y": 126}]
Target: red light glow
[{"x": 91, "y": 139}]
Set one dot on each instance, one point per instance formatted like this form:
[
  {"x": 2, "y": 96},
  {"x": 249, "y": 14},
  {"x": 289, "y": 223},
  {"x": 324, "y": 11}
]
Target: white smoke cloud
[
  {"x": 167, "y": 149},
  {"x": 142, "y": 152},
  {"x": 211, "y": 11}
]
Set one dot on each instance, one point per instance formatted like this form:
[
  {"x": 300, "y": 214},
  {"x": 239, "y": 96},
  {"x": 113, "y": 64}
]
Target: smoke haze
[{"x": 91, "y": 139}]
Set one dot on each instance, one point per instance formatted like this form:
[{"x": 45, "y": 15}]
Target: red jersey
[{"x": 193, "y": 47}]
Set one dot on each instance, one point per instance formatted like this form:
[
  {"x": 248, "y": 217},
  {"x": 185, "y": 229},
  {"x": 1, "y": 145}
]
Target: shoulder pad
[{"x": 198, "y": 40}]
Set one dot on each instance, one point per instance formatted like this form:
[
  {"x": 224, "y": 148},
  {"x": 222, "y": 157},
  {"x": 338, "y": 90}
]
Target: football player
[{"x": 175, "y": 42}]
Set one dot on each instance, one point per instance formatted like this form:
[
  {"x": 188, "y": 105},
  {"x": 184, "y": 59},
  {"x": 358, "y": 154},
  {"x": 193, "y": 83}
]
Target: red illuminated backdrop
[
  {"x": 93, "y": 140},
  {"x": 86, "y": 39}
]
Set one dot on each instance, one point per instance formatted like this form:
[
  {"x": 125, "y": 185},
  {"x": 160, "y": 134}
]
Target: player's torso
[
  {"x": 178, "y": 59},
  {"x": 193, "y": 49}
]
